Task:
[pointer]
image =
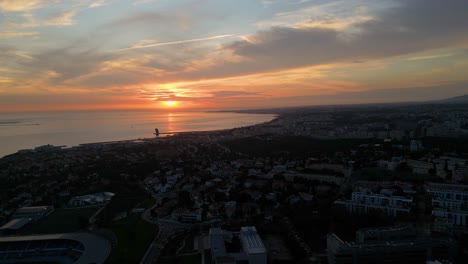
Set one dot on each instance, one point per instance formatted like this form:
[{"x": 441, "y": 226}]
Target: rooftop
[
  {"x": 16, "y": 224},
  {"x": 251, "y": 241}
]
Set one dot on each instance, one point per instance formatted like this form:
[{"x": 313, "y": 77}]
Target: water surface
[{"x": 29, "y": 130}]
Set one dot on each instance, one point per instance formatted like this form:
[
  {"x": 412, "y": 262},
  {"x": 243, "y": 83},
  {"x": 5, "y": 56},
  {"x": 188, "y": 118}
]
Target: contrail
[{"x": 176, "y": 42}]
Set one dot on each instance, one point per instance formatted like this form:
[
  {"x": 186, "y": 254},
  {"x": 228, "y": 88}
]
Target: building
[
  {"x": 186, "y": 216},
  {"x": 90, "y": 199},
  {"x": 251, "y": 250},
  {"x": 33, "y": 212},
  {"x": 391, "y": 205},
  {"x": 389, "y": 245},
  {"x": 252, "y": 245},
  {"x": 449, "y": 202},
  {"x": 314, "y": 177},
  {"x": 14, "y": 225},
  {"x": 420, "y": 167},
  {"x": 455, "y": 217},
  {"x": 456, "y": 192}
]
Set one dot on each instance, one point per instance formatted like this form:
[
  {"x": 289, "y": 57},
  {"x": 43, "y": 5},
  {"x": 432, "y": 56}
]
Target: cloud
[
  {"x": 430, "y": 57},
  {"x": 413, "y": 26},
  {"x": 6, "y": 79},
  {"x": 233, "y": 93},
  {"x": 98, "y": 3},
  {"x": 335, "y": 15},
  {"x": 25, "y": 20},
  {"x": 67, "y": 63},
  {"x": 154, "y": 22},
  {"x": 7, "y": 53},
  {"x": 176, "y": 42},
  {"x": 139, "y": 19},
  {"x": 62, "y": 19},
  {"x": 191, "y": 96},
  {"x": 21, "y": 5},
  {"x": 8, "y": 70},
  {"x": 142, "y": 2},
  {"x": 14, "y": 34}
]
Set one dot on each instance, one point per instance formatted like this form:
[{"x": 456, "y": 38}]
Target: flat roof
[
  {"x": 218, "y": 247},
  {"x": 96, "y": 248},
  {"x": 251, "y": 241},
  {"x": 33, "y": 209},
  {"x": 16, "y": 224}
]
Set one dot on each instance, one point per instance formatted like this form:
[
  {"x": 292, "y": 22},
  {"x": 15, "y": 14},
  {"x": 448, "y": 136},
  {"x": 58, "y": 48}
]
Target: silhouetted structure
[{"x": 389, "y": 245}]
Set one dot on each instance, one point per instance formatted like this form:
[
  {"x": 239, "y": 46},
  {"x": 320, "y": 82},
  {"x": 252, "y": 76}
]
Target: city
[
  {"x": 233, "y": 132},
  {"x": 331, "y": 184}
]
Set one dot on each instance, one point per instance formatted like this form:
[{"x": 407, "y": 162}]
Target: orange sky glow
[{"x": 182, "y": 54}]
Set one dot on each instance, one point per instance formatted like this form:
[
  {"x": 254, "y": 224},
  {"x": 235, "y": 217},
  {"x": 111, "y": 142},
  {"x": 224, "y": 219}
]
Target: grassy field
[
  {"x": 61, "y": 221},
  {"x": 134, "y": 237}
]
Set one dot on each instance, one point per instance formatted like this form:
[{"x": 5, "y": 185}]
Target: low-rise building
[
  {"x": 419, "y": 166},
  {"x": 389, "y": 245},
  {"x": 186, "y": 216},
  {"x": 449, "y": 202},
  {"x": 90, "y": 199},
  {"x": 365, "y": 202}
]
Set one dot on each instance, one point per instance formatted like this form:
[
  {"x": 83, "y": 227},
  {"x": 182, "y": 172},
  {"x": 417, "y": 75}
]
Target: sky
[{"x": 203, "y": 54}]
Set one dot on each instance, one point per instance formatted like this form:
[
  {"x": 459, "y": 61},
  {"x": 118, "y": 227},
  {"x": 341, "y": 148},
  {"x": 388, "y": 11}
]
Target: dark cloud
[{"x": 413, "y": 26}]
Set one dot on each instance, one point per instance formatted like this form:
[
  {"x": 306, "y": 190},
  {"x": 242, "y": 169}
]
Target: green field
[
  {"x": 133, "y": 239},
  {"x": 61, "y": 221}
]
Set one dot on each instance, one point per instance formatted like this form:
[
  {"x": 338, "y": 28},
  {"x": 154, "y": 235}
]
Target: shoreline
[
  {"x": 167, "y": 135},
  {"x": 170, "y": 135}
]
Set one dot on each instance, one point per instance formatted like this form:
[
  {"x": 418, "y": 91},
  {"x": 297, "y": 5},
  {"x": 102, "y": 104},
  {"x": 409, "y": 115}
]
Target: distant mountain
[{"x": 463, "y": 99}]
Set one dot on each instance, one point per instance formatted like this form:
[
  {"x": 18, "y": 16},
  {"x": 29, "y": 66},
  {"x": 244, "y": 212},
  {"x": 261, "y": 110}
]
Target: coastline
[{"x": 166, "y": 135}]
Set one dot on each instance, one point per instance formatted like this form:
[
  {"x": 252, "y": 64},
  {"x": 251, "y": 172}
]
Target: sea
[{"x": 29, "y": 130}]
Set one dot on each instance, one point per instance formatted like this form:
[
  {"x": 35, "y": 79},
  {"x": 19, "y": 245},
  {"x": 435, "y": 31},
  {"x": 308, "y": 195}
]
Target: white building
[
  {"x": 450, "y": 203},
  {"x": 455, "y": 192},
  {"x": 90, "y": 199},
  {"x": 365, "y": 202},
  {"x": 252, "y": 245},
  {"x": 455, "y": 217}
]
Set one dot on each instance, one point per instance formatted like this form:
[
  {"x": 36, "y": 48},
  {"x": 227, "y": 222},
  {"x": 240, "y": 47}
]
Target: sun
[{"x": 170, "y": 103}]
